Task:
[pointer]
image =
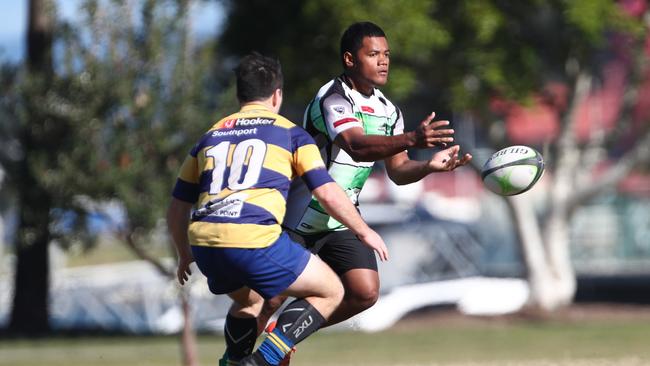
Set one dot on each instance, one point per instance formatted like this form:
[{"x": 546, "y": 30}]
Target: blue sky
[{"x": 13, "y": 22}]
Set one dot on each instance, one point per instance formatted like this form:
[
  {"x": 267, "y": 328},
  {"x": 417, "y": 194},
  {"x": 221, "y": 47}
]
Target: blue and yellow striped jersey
[{"x": 238, "y": 177}]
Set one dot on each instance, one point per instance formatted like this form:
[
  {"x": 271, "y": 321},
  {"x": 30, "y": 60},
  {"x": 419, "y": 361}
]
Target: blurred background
[{"x": 101, "y": 101}]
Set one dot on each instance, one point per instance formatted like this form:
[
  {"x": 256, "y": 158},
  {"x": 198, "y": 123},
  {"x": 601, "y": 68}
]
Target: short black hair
[
  {"x": 352, "y": 38},
  {"x": 258, "y": 77}
]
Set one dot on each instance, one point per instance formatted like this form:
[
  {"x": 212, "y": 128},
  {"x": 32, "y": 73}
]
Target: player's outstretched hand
[
  {"x": 447, "y": 159},
  {"x": 432, "y": 133},
  {"x": 183, "y": 272},
  {"x": 375, "y": 242}
]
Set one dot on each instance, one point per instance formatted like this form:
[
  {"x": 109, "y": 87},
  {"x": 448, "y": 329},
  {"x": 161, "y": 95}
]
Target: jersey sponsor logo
[
  {"x": 248, "y": 131},
  {"x": 338, "y": 109},
  {"x": 230, "y": 206},
  {"x": 365, "y": 108},
  {"x": 248, "y": 122},
  {"x": 258, "y": 121},
  {"x": 345, "y": 120}
]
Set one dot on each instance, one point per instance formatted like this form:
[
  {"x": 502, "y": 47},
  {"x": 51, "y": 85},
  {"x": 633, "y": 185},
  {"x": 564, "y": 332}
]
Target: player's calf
[
  {"x": 298, "y": 320},
  {"x": 319, "y": 292}
]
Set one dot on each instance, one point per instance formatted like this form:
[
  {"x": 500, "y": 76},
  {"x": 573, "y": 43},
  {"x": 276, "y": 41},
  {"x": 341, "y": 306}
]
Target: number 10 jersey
[{"x": 238, "y": 177}]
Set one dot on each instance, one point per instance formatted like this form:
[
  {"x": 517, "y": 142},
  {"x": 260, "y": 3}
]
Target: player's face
[{"x": 372, "y": 60}]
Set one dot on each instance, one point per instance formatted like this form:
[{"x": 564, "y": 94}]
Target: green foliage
[
  {"x": 131, "y": 91},
  {"x": 146, "y": 95},
  {"x": 591, "y": 18},
  {"x": 453, "y": 54},
  {"x": 307, "y": 42},
  {"x": 130, "y": 95}
]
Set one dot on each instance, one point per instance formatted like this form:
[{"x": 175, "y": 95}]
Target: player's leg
[
  {"x": 356, "y": 265},
  {"x": 361, "y": 292},
  {"x": 240, "y": 329},
  {"x": 272, "y": 305},
  {"x": 319, "y": 285},
  {"x": 318, "y": 292},
  {"x": 268, "y": 309},
  {"x": 223, "y": 278}
]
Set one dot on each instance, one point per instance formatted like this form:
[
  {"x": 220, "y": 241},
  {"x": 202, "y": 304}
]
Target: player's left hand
[
  {"x": 448, "y": 160},
  {"x": 432, "y": 133},
  {"x": 183, "y": 272}
]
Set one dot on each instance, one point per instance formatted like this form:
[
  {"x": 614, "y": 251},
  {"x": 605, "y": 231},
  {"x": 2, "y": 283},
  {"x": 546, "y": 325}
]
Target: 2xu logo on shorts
[{"x": 246, "y": 122}]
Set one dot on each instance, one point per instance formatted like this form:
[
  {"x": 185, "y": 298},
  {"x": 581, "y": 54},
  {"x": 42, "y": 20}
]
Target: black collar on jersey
[{"x": 346, "y": 80}]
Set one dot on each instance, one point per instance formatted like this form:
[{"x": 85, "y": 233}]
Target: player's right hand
[
  {"x": 448, "y": 159},
  {"x": 431, "y": 133},
  {"x": 183, "y": 272},
  {"x": 375, "y": 242}
]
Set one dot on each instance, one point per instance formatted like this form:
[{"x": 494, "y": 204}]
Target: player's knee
[
  {"x": 335, "y": 292},
  {"x": 363, "y": 298},
  {"x": 249, "y": 308},
  {"x": 340, "y": 292},
  {"x": 273, "y": 304}
]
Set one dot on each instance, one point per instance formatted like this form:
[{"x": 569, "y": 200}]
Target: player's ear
[
  {"x": 348, "y": 59},
  {"x": 276, "y": 100}
]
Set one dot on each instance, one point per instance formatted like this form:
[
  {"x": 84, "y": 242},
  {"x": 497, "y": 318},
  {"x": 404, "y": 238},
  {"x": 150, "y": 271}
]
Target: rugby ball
[{"x": 512, "y": 170}]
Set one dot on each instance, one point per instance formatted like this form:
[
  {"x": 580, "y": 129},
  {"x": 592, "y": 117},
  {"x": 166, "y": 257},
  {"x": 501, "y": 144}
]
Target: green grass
[{"x": 476, "y": 343}]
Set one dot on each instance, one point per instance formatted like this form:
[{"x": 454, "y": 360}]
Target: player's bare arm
[
  {"x": 432, "y": 133},
  {"x": 178, "y": 215},
  {"x": 338, "y": 205},
  {"x": 362, "y": 147},
  {"x": 402, "y": 170}
]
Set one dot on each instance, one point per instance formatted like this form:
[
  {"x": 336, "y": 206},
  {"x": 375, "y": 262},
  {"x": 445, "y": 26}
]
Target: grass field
[{"x": 413, "y": 342}]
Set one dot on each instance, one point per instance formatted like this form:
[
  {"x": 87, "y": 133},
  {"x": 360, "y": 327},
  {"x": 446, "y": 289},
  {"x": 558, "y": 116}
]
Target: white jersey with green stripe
[{"x": 335, "y": 109}]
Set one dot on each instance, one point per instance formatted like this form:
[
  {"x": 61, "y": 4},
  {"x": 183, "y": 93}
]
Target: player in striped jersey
[
  {"x": 354, "y": 125},
  {"x": 237, "y": 179}
]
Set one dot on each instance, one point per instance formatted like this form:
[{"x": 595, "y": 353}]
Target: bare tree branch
[
  {"x": 568, "y": 151},
  {"x": 580, "y": 93},
  {"x": 640, "y": 153},
  {"x": 142, "y": 254}
]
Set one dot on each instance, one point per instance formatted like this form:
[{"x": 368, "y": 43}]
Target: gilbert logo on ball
[{"x": 512, "y": 170}]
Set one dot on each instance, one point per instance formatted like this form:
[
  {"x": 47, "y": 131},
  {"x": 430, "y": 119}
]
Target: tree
[
  {"x": 307, "y": 43},
  {"x": 491, "y": 60},
  {"x": 111, "y": 119},
  {"x": 38, "y": 132},
  {"x": 141, "y": 95},
  {"x": 582, "y": 55}
]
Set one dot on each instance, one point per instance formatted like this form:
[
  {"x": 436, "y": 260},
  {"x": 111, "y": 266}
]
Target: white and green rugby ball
[{"x": 512, "y": 170}]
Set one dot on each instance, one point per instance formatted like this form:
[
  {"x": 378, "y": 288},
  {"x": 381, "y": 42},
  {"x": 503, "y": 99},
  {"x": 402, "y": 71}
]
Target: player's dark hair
[
  {"x": 258, "y": 77},
  {"x": 352, "y": 38}
]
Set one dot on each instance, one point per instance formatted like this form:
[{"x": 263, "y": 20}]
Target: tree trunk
[
  {"x": 556, "y": 240},
  {"x": 188, "y": 337},
  {"x": 30, "y": 315},
  {"x": 546, "y": 255}
]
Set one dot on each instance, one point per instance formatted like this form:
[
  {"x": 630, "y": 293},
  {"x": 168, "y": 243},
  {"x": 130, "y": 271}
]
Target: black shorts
[{"x": 341, "y": 250}]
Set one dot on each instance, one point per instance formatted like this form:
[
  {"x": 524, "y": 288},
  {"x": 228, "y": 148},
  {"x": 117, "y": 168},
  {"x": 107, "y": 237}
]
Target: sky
[{"x": 13, "y": 22}]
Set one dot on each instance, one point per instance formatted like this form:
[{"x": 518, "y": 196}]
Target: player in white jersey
[{"x": 354, "y": 125}]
